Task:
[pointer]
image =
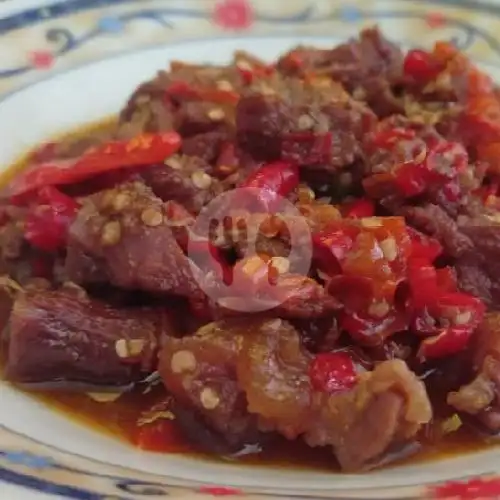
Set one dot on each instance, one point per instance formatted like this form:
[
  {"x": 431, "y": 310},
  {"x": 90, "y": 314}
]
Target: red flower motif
[
  {"x": 219, "y": 491},
  {"x": 233, "y": 14},
  {"x": 41, "y": 59},
  {"x": 469, "y": 490},
  {"x": 435, "y": 19}
]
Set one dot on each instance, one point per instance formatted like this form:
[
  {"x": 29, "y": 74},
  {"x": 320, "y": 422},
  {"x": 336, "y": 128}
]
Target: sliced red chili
[
  {"x": 272, "y": 182},
  {"x": 332, "y": 372},
  {"x": 146, "y": 149},
  {"x": 423, "y": 246},
  {"x": 354, "y": 292},
  {"x": 387, "y": 138},
  {"x": 449, "y": 341},
  {"x": 362, "y": 207},
  {"x": 446, "y": 279},
  {"x": 47, "y": 224},
  {"x": 330, "y": 248},
  {"x": 422, "y": 280},
  {"x": 459, "y": 308},
  {"x": 420, "y": 65}
]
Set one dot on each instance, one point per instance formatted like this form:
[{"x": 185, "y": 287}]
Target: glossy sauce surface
[{"x": 129, "y": 417}]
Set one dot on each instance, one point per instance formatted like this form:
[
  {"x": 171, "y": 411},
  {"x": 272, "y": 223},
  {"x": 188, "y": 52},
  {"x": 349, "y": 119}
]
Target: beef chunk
[
  {"x": 124, "y": 233},
  {"x": 184, "y": 179},
  {"x": 200, "y": 371},
  {"x": 317, "y": 126},
  {"x": 481, "y": 396},
  {"x": 370, "y": 66},
  {"x": 270, "y": 377},
  {"x": 65, "y": 337}
]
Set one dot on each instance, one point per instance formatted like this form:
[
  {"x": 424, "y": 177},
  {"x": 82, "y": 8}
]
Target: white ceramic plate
[{"x": 97, "y": 56}]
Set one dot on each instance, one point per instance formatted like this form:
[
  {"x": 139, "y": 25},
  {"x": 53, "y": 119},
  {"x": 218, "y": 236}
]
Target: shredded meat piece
[
  {"x": 266, "y": 360},
  {"x": 317, "y": 127},
  {"x": 200, "y": 371},
  {"x": 61, "y": 337},
  {"x": 481, "y": 396},
  {"x": 183, "y": 179},
  {"x": 124, "y": 230}
]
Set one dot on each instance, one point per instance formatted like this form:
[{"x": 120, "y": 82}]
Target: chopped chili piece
[
  {"x": 420, "y": 65},
  {"x": 272, "y": 182},
  {"x": 359, "y": 208},
  {"x": 47, "y": 224},
  {"x": 145, "y": 149},
  {"x": 332, "y": 372},
  {"x": 423, "y": 246}
]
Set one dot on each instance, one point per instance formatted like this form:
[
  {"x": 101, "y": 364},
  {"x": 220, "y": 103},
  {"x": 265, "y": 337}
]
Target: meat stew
[{"x": 346, "y": 300}]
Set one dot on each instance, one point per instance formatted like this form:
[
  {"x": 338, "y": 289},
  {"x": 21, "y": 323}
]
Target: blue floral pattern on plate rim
[{"x": 28, "y": 464}]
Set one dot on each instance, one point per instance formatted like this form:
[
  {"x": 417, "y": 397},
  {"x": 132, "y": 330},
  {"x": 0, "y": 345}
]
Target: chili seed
[
  {"x": 371, "y": 222},
  {"x": 281, "y": 264},
  {"x": 201, "y": 179},
  {"x": 389, "y": 249},
  {"x": 121, "y": 201},
  {"x": 151, "y": 217},
  {"x": 378, "y": 309},
  {"x": 224, "y": 85},
  {"x": 173, "y": 162},
  {"x": 209, "y": 398},
  {"x": 463, "y": 318},
  {"x": 111, "y": 233},
  {"x": 104, "y": 397},
  {"x": 183, "y": 361},
  {"x": 216, "y": 114},
  {"x": 126, "y": 348},
  {"x": 244, "y": 65},
  {"x": 305, "y": 122}
]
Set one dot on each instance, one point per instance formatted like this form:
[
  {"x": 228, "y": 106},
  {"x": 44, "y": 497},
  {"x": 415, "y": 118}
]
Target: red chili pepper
[
  {"x": 330, "y": 248},
  {"x": 359, "y": 208},
  {"x": 145, "y": 149},
  {"x": 273, "y": 181},
  {"x": 464, "y": 313},
  {"x": 411, "y": 178},
  {"x": 332, "y": 372},
  {"x": 423, "y": 246},
  {"x": 449, "y": 341},
  {"x": 354, "y": 292},
  {"x": 468, "y": 310},
  {"x": 46, "y": 226},
  {"x": 387, "y": 138},
  {"x": 422, "y": 280},
  {"x": 421, "y": 66},
  {"x": 446, "y": 279}
]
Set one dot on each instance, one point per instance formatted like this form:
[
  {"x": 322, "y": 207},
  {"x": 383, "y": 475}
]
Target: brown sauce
[{"x": 119, "y": 418}]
